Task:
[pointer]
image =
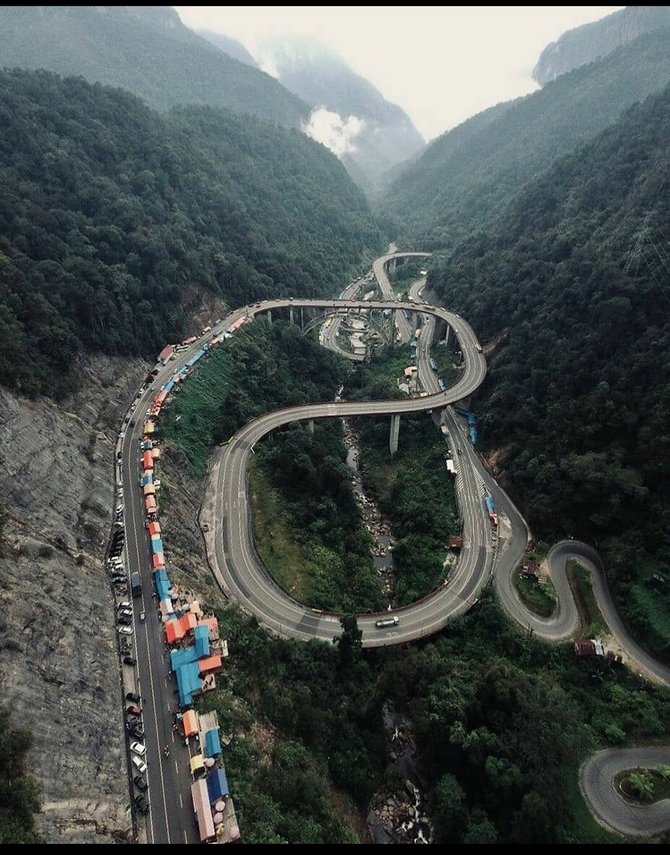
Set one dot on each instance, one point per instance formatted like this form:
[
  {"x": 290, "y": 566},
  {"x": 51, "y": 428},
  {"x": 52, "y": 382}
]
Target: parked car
[
  {"x": 140, "y": 783},
  {"x": 141, "y": 804},
  {"x": 139, "y": 748},
  {"x": 124, "y": 604},
  {"x": 133, "y": 709},
  {"x": 125, "y": 630},
  {"x": 133, "y": 696},
  {"x": 128, "y": 660},
  {"x": 125, "y": 620},
  {"x": 139, "y": 764},
  {"x": 137, "y": 731}
]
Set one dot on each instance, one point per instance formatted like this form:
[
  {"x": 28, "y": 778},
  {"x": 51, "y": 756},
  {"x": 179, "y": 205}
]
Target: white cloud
[
  {"x": 442, "y": 64},
  {"x": 336, "y": 133},
  {"x": 267, "y": 63}
]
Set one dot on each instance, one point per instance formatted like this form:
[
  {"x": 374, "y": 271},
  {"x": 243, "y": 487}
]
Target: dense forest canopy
[
  {"x": 108, "y": 209},
  {"x": 469, "y": 174},
  {"x": 571, "y": 285},
  {"x": 146, "y": 50}
]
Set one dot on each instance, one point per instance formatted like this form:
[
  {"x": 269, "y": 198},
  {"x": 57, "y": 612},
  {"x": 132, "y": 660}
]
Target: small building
[
  {"x": 166, "y": 354},
  {"x": 585, "y": 648},
  {"x": 455, "y": 543},
  {"x": 530, "y": 570}
]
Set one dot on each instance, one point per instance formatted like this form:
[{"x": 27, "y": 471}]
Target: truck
[
  {"x": 479, "y": 348},
  {"x": 136, "y": 584},
  {"x": 433, "y": 364},
  {"x": 491, "y": 508}
]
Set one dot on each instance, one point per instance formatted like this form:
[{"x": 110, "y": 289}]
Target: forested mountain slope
[
  {"x": 572, "y": 283},
  {"x": 591, "y": 41},
  {"x": 458, "y": 185},
  {"x": 108, "y": 209},
  {"x": 145, "y": 49}
]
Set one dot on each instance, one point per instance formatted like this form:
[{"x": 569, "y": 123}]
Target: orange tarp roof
[
  {"x": 154, "y": 528},
  {"x": 155, "y": 453},
  {"x": 149, "y": 489},
  {"x": 209, "y": 664},
  {"x": 161, "y": 397},
  {"x": 150, "y": 504},
  {"x": 148, "y": 460},
  {"x": 158, "y": 561},
  {"x": 173, "y": 631},
  {"x": 190, "y": 723},
  {"x": 188, "y": 621}
]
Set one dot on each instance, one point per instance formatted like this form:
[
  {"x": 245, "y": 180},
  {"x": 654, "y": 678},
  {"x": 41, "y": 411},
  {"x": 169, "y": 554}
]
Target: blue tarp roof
[
  {"x": 201, "y": 634},
  {"x": 163, "y": 584},
  {"x": 156, "y": 545},
  {"x": 188, "y": 682},
  {"x": 147, "y": 479},
  {"x": 212, "y": 743},
  {"x": 217, "y": 784},
  {"x": 195, "y": 358},
  {"x": 163, "y": 589},
  {"x": 168, "y": 387}
]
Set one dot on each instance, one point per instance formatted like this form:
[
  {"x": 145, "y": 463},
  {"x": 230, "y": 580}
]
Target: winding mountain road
[{"x": 226, "y": 524}]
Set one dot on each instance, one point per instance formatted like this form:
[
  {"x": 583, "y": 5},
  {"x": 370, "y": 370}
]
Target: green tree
[{"x": 350, "y": 643}]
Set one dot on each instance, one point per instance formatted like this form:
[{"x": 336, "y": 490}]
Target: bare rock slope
[{"x": 59, "y": 666}]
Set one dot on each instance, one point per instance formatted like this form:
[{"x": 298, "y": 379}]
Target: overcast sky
[{"x": 440, "y": 64}]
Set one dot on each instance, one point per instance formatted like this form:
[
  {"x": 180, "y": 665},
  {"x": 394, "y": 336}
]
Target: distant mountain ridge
[
  {"x": 592, "y": 41},
  {"x": 229, "y": 45},
  {"x": 145, "y": 49},
  {"x": 468, "y": 175},
  {"x": 322, "y": 79}
]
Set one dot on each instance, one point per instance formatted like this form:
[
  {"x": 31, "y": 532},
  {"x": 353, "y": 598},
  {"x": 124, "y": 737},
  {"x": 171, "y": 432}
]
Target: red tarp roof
[
  {"x": 154, "y": 528},
  {"x": 158, "y": 561},
  {"x": 166, "y": 353},
  {"x": 148, "y": 460},
  {"x": 209, "y": 664},
  {"x": 173, "y": 631},
  {"x": 150, "y": 504}
]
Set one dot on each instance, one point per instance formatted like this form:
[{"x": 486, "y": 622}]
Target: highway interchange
[{"x": 226, "y": 525}]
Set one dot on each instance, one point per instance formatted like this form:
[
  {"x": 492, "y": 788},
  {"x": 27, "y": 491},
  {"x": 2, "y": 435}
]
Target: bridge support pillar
[
  {"x": 269, "y": 316},
  {"x": 310, "y": 425},
  {"x": 290, "y": 314},
  {"x": 395, "y": 433},
  {"x": 302, "y": 319},
  {"x": 447, "y": 336}
]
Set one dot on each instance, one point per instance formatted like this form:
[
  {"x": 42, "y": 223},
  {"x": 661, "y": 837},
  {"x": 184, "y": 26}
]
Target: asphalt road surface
[{"x": 225, "y": 521}]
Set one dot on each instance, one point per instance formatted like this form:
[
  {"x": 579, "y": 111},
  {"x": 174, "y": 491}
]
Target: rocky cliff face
[
  {"x": 59, "y": 666},
  {"x": 592, "y": 41}
]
